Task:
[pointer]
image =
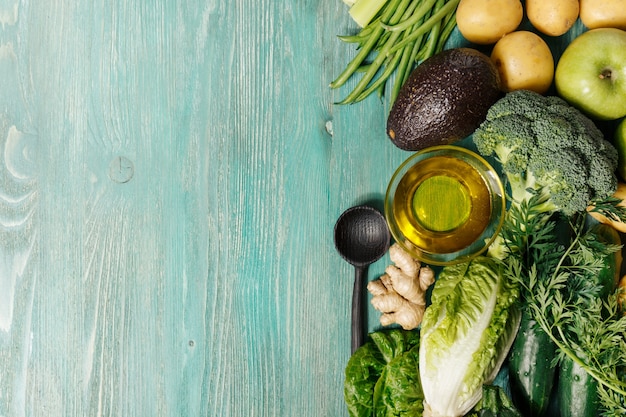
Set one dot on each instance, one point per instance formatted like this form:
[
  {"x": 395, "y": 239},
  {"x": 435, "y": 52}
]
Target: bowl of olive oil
[{"x": 445, "y": 205}]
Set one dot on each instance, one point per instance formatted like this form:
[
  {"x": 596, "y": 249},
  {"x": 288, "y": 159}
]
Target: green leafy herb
[{"x": 558, "y": 275}]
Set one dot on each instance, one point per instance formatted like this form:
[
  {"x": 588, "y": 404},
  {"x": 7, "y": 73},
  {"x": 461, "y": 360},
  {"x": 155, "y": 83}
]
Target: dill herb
[{"x": 555, "y": 267}]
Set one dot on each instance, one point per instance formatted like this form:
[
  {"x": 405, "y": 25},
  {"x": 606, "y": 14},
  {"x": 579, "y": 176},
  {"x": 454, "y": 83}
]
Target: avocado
[{"x": 444, "y": 99}]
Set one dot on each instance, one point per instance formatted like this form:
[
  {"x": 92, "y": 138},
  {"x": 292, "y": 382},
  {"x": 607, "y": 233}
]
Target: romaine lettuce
[{"x": 466, "y": 334}]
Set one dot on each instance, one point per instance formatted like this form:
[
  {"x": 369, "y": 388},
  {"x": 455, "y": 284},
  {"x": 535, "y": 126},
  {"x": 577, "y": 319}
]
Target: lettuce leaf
[{"x": 466, "y": 334}]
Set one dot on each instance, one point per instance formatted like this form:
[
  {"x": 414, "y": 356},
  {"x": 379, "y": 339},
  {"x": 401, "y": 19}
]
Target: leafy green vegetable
[
  {"x": 362, "y": 372},
  {"x": 398, "y": 391},
  {"x": 404, "y": 33},
  {"x": 466, "y": 334},
  {"x": 382, "y": 377}
]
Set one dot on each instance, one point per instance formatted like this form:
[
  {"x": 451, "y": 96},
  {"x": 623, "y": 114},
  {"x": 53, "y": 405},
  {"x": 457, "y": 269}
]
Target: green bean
[
  {"x": 363, "y": 88},
  {"x": 366, "y": 48},
  {"x": 406, "y": 63},
  {"x": 356, "y": 62},
  {"x": 424, "y": 8},
  {"x": 431, "y": 44},
  {"x": 418, "y": 49},
  {"x": 448, "y": 8},
  {"x": 375, "y": 65},
  {"x": 363, "y": 34},
  {"x": 405, "y": 33},
  {"x": 363, "y": 68},
  {"x": 448, "y": 27},
  {"x": 415, "y": 50},
  {"x": 359, "y": 38},
  {"x": 368, "y": 76},
  {"x": 404, "y": 68},
  {"x": 433, "y": 36},
  {"x": 399, "y": 12},
  {"x": 421, "y": 38},
  {"x": 390, "y": 65},
  {"x": 382, "y": 41}
]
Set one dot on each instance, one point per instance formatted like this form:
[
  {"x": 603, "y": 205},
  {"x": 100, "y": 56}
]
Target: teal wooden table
[{"x": 170, "y": 175}]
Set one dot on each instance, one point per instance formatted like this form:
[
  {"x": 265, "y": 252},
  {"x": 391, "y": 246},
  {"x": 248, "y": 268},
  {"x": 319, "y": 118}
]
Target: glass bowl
[{"x": 445, "y": 205}]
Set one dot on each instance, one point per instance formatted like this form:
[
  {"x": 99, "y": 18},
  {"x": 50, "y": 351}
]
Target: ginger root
[{"x": 400, "y": 294}]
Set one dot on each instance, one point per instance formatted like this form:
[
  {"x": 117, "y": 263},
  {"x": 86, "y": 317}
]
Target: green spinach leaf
[{"x": 382, "y": 376}]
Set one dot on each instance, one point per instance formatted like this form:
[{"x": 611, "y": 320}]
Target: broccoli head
[{"x": 548, "y": 147}]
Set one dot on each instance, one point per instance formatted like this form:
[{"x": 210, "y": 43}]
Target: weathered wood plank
[{"x": 170, "y": 179}]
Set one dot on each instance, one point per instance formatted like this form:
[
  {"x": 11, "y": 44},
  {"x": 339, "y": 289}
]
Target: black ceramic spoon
[{"x": 361, "y": 238}]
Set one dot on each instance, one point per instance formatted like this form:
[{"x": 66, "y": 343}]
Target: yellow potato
[
  {"x": 552, "y": 17},
  {"x": 603, "y": 13},
  {"x": 524, "y": 62},
  {"x": 485, "y": 21}
]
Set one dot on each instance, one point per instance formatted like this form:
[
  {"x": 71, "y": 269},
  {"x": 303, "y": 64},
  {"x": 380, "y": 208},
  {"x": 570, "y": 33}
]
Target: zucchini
[
  {"x": 531, "y": 372},
  {"x": 577, "y": 391}
]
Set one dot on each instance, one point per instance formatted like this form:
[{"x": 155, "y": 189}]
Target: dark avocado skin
[{"x": 444, "y": 99}]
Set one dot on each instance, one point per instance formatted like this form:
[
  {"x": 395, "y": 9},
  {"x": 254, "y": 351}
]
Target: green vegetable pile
[
  {"x": 543, "y": 301},
  {"x": 557, "y": 163},
  {"x": 402, "y": 34},
  {"x": 464, "y": 339}
]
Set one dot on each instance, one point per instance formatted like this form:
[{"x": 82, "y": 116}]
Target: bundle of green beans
[{"x": 404, "y": 33}]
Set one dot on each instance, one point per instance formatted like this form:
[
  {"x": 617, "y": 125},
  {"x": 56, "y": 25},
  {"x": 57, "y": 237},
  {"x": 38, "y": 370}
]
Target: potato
[
  {"x": 603, "y": 13},
  {"x": 524, "y": 61},
  {"x": 485, "y": 21},
  {"x": 552, "y": 17}
]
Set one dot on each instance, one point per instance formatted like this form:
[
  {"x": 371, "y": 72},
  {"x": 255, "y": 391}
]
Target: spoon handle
[{"x": 358, "y": 325}]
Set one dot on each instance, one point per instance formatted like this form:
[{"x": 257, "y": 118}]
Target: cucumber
[
  {"x": 531, "y": 373},
  {"x": 577, "y": 391},
  {"x": 610, "y": 274}
]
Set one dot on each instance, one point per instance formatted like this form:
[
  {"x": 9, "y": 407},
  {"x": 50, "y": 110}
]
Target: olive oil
[{"x": 442, "y": 204}]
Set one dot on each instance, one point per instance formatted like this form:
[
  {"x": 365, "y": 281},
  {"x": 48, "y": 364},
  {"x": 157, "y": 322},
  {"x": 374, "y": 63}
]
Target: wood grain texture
[{"x": 170, "y": 176}]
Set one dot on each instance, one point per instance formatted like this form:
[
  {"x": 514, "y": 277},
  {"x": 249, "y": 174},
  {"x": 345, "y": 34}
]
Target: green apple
[
  {"x": 591, "y": 73},
  {"x": 620, "y": 143}
]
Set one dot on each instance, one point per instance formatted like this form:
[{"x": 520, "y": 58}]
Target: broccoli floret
[
  {"x": 565, "y": 178},
  {"x": 548, "y": 147},
  {"x": 507, "y": 136}
]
